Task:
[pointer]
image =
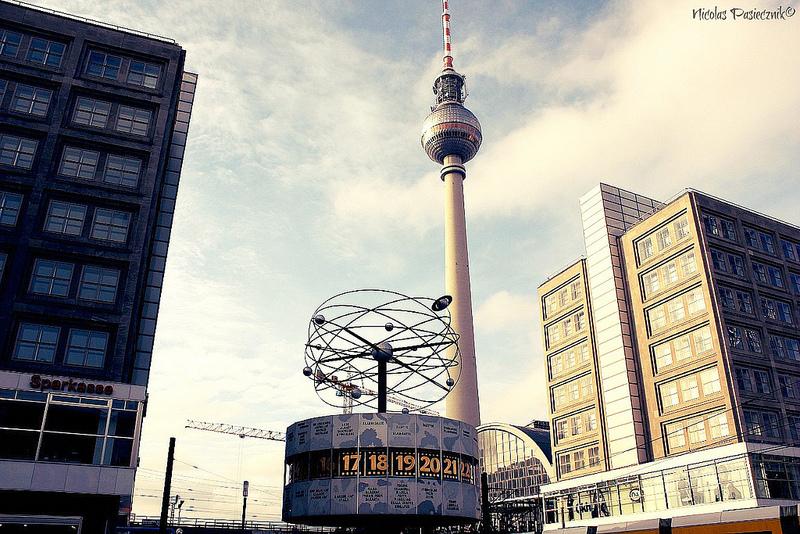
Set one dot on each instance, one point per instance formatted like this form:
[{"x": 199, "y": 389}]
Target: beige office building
[{"x": 690, "y": 327}]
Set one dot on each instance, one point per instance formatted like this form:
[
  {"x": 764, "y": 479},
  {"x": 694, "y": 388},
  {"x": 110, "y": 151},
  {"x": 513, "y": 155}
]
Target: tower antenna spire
[{"x": 447, "y": 58}]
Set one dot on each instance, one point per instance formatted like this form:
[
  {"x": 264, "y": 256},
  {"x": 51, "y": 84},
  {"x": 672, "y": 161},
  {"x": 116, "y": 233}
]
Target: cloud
[
  {"x": 646, "y": 98},
  {"x": 304, "y": 177}
]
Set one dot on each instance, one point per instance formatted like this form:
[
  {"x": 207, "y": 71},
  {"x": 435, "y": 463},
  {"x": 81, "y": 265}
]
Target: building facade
[
  {"x": 93, "y": 125},
  {"x": 708, "y": 295},
  {"x": 576, "y": 411}
]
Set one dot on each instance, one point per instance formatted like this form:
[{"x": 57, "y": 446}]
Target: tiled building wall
[{"x": 607, "y": 213}]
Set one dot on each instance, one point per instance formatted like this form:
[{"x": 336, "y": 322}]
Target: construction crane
[
  {"x": 346, "y": 389},
  {"x": 241, "y": 431}
]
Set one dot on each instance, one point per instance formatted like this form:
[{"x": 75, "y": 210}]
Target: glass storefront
[
  {"x": 50, "y": 427},
  {"x": 776, "y": 477},
  {"x": 696, "y": 484}
]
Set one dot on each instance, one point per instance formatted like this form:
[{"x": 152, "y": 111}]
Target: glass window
[
  {"x": 36, "y": 342},
  {"x": 65, "y": 218},
  {"x": 697, "y": 432},
  {"x": 645, "y": 248},
  {"x": 579, "y": 460},
  {"x": 772, "y": 428},
  {"x": 669, "y": 395},
  {"x": 710, "y": 381},
  {"x": 775, "y": 276},
  {"x": 143, "y": 74},
  {"x": 689, "y": 388},
  {"x": 657, "y": 317},
  {"x": 695, "y": 301},
  {"x": 9, "y": 43},
  {"x": 663, "y": 238},
  {"x": 676, "y": 310},
  {"x": 31, "y": 100},
  {"x": 651, "y": 282},
  {"x": 789, "y": 251},
  {"x": 702, "y": 340},
  {"x": 744, "y": 302},
  {"x": 79, "y": 163},
  {"x": 760, "y": 271},
  {"x": 788, "y": 386},
  {"x": 98, "y": 284},
  {"x": 86, "y": 348},
  {"x": 10, "y": 206},
  {"x": 103, "y": 65},
  {"x": 728, "y": 229},
  {"x": 751, "y": 237},
  {"x": 753, "y": 340},
  {"x": 21, "y": 415},
  {"x": 683, "y": 349},
  {"x": 785, "y": 312},
  {"x": 762, "y": 382},
  {"x": 727, "y": 299},
  {"x": 734, "y": 479},
  {"x": 3, "y": 258},
  {"x": 719, "y": 426},
  {"x": 91, "y": 112},
  {"x": 679, "y": 492},
  {"x": 737, "y": 265},
  {"x": 767, "y": 243},
  {"x": 688, "y": 263},
  {"x": 565, "y": 463},
  {"x": 44, "y": 52},
  {"x": 580, "y": 321},
  {"x": 743, "y": 380},
  {"x": 712, "y": 225},
  {"x": 681, "y": 228},
  {"x": 118, "y": 452},
  {"x": 70, "y": 448},
  {"x": 718, "y": 260},
  {"x": 594, "y": 455},
  {"x": 663, "y": 354},
  {"x": 735, "y": 338},
  {"x": 51, "y": 278},
  {"x": 794, "y": 278},
  {"x": 110, "y": 225},
  {"x": 794, "y": 426},
  {"x": 76, "y": 419},
  {"x": 670, "y": 273},
  {"x": 17, "y": 151},
  {"x": 133, "y": 120},
  {"x": 122, "y": 170},
  {"x": 3, "y": 87}
]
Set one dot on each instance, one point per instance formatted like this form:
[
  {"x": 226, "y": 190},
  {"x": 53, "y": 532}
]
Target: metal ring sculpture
[{"x": 353, "y": 333}]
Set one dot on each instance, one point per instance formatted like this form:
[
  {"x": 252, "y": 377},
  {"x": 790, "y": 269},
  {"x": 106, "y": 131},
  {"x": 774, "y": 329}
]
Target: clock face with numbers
[{"x": 360, "y": 468}]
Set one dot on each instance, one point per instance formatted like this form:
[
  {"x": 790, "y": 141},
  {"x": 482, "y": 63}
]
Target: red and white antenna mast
[{"x": 447, "y": 59}]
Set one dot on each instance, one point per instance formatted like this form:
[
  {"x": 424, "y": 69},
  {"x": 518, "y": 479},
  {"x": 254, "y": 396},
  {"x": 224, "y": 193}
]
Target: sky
[{"x": 304, "y": 177}]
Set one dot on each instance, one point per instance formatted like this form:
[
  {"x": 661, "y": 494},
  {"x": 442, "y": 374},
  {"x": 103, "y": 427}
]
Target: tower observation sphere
[
  {"x": 451, "y": 129},
  {"x": 451, "y": 136}
]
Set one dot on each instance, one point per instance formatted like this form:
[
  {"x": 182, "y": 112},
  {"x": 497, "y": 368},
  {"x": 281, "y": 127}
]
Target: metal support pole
[
  {"x": 487, "y": 516},
  {"x": 245, "y": 491},
  {"x": 381, "y": 386},
  {"x": 162, "y": 524}
]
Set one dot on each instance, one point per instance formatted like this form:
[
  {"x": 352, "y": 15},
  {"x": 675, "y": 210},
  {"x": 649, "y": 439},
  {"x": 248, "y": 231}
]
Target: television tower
[{"x": 451, "y": 136}]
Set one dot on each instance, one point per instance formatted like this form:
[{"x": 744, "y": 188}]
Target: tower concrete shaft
[
  {"x": 462, "y": 403},
  {"x": 451, "y": 136}
]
